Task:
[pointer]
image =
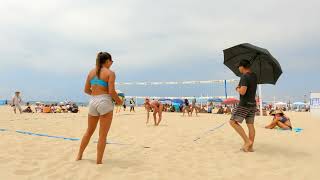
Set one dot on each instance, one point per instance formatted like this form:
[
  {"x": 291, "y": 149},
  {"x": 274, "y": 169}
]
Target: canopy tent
[
  {"x": 165, "y": 101},
  {"x": 3, "y": 102},
  {"x": 299, "y": 104},
  {"x": 215, "y": 100},
  {"x": 231, "y": 101},
  {"x": 280, "y": 104}
]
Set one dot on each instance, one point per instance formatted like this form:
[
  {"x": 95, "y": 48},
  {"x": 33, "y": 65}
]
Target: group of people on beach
[
  {"x": 132, "y": 104},
  {"x": 100, "y": 84},
  {"x": 41, "y": 107}
]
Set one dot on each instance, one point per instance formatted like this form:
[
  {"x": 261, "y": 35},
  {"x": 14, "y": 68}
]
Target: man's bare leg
[
  {"x": 252, "y": 133},
  {"x": 240, "y": 131}
]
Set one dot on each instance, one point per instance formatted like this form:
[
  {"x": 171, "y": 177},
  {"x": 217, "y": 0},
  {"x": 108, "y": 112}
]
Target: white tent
[{"x": 280, "y": 104}]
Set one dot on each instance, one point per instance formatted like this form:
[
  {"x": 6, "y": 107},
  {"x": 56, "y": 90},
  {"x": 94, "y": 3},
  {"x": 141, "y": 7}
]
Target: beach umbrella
[
  {"x": 215, "y": 100},
  {"x": 165, "y": 101},
  {"x": 120, "y": 93},
  {"x": 231, "y": 101},
  {"x": 263, "y": 64},
  {"x": 177, "y": 101}
]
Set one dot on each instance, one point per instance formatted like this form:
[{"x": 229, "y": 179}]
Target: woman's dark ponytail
[{"x": 102, "y": 57}]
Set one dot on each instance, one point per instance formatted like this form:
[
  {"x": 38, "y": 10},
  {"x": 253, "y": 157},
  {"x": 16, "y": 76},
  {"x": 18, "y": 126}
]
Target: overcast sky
[{"x": 48, "y": 47}]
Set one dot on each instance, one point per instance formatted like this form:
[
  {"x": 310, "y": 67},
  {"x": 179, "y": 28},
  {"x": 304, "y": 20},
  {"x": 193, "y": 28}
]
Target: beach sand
[{"x": 173, "y": 153}]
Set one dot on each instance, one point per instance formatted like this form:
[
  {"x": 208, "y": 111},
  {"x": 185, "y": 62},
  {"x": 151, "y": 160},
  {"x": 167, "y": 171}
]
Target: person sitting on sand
[
  {"x": 280, "y": 120},
  {"x": 28, "y": 109},
  {"x": 46, "y": 109},
  {"x": 157, "y": 108},
  {"x": 38, "y": 108},
  {"x": 227, "y": 110},
  {"x": 220, "y": 110},
  {"x": 203, "y": 109}
]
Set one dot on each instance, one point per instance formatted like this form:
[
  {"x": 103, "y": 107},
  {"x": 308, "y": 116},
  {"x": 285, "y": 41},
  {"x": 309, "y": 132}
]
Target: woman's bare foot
[
  {"x": 99, "y": 162},
  {"x": 79, "y": 157}
]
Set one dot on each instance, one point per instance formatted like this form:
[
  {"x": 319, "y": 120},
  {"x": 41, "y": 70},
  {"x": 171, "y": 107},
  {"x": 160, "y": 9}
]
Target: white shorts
[
  {"x": 17, "y": 106},
  {"x": 100, "y": 105}
]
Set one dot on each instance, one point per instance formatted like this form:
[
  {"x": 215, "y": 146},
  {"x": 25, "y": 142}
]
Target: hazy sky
[{"x": 47, "y": 47}]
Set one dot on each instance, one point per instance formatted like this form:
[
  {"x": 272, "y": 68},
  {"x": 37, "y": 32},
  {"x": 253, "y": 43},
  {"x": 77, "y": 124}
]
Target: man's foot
[
  {"x": 79, "y": 157},
  {"x": 246, "y": 147},
  {"x": 251, "y": 148}
]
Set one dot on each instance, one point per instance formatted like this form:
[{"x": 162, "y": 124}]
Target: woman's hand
[{"x": 119, "y": 101}]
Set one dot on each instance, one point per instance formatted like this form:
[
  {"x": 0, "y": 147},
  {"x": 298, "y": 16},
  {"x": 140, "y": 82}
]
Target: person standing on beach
[
  {"x": 16, "y": 102},
  {"x": 194, "y": 106},
  {"x": 186, "y": 107},
  {"x": 124, "y": 104},
  {"x": 156, "y": 107},
  {"x": 132, "y": 104},
  {"x": 100, "y": 84},
  {"x": 247, "y": 107}
]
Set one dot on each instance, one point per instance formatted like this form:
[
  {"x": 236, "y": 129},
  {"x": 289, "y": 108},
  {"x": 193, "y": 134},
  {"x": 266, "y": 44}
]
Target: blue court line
[
  {"x": 46, "y": 135},
  {"x": 59, "y": 137},
  {"x": 296, "y": 130}
]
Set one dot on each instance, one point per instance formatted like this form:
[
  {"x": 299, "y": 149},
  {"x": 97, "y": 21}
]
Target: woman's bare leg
[
  {"x": 105, "y": 123},
  {"x": 92, "y": 124},
  {"x": 283, "y": 125},
  {"x": 273, "y": 124},
  {"x": 155, "y": 117},
  {"x": 160, "y": 114}
]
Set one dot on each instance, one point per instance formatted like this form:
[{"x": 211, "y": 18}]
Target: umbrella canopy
[
  {"x": 178, "y": 101},
  {"x": 263, "y": 64},
  {"x": 165, "y": 101},
  {"x": 216, "y": 100},
  {"x": 230, "y": 101},
  {"x": 120, "y": 93}
]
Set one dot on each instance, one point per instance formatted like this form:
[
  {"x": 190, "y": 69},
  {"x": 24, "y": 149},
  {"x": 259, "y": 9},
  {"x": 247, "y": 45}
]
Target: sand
[{"x": 173, "y": 153}]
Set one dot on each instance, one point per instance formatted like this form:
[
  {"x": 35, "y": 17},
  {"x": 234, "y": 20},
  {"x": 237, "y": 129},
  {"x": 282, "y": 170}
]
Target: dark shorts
[{"x": 240, "y": 113}]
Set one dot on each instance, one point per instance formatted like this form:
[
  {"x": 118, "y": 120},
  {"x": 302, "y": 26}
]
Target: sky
[{"x": 48, "y": 47}]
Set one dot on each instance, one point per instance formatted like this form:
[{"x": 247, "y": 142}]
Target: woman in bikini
[
  {"x": 280, "y": 120},
  {"x": 156, "y": 107},
  {"x": 100, "y": 84}
]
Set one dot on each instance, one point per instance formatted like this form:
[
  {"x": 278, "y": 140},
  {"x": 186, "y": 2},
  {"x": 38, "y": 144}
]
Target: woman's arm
[
  {"x": 87, "y": 87},
  {"x": 112, "y": 91}
]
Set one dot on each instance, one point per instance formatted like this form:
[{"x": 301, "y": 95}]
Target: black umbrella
[{"x": 266, "y": 67}]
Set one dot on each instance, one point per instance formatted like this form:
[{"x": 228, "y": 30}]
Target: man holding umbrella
[
  {"x": 247, "y": 107},
  {"x": 254, "y": 65}
]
